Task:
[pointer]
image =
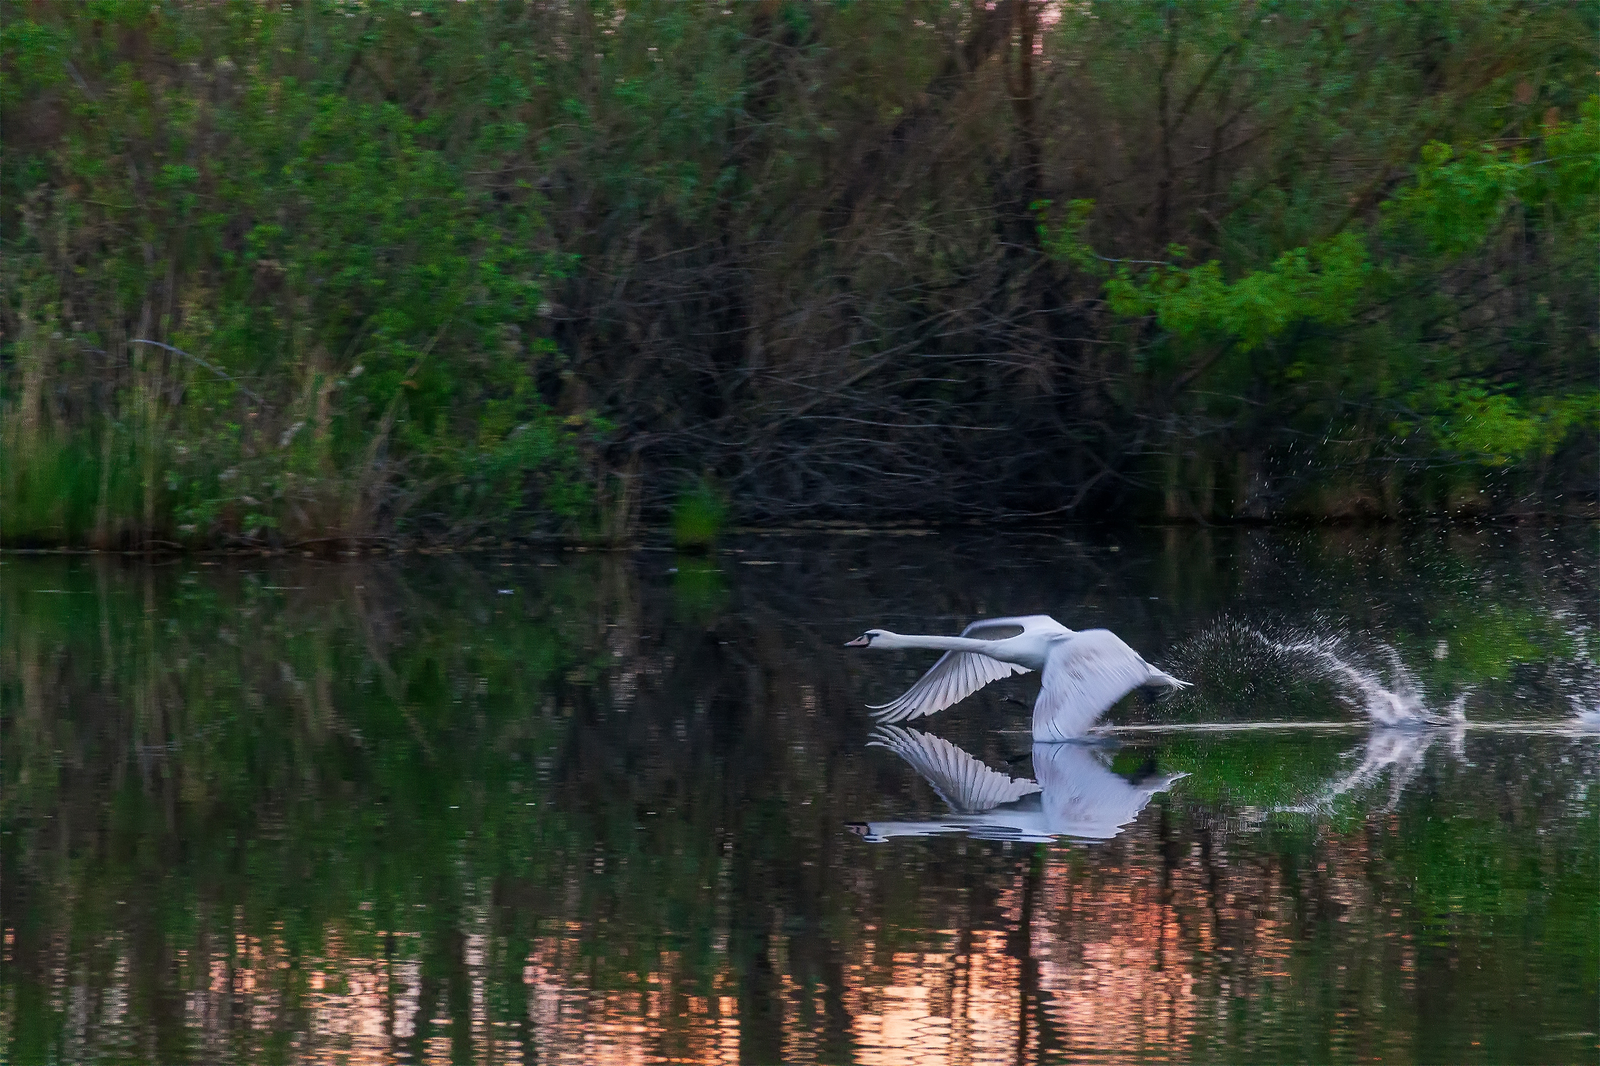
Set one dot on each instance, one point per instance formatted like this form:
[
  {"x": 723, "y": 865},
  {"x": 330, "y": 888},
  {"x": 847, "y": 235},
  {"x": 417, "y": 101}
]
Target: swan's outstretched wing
[
  {"x": 958, "y": 674},
  {"x": 967, "y": 785},
  {"x": 1085, "y": 674}
]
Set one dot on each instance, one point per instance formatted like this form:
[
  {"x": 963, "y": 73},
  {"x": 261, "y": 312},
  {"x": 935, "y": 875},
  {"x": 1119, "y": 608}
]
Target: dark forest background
[{"x": 344, "y": 272}]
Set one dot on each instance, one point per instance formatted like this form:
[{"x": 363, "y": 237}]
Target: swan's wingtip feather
[{"x": 897, "y": 712}]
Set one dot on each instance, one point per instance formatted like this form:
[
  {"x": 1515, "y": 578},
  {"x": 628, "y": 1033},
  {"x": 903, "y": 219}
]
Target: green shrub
[{"x": 698, "y": 517}]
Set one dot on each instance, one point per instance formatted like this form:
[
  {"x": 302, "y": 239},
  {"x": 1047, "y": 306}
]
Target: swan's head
[{"x": 871, "y": 638}]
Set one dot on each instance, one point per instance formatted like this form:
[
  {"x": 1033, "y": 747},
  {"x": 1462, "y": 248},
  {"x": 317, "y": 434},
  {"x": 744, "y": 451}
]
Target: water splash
[
  {"x": 1585, "y": 714},
  {"x": 1399, "y": 704},
  {"x": 1405, "y": 726},
  {"x": 1237, "y": 668},
  {"x": 1581, "y": 685}
]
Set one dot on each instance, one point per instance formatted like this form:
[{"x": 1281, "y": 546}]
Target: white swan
[
  {"x": 1084, "y": 672},
  {"x": 1077, "y": 796}
]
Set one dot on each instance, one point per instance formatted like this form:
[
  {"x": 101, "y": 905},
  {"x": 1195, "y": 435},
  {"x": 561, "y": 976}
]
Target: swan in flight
[
  {"x": 1076, "y": 796},
  {"x": 1084, "y": 673}
]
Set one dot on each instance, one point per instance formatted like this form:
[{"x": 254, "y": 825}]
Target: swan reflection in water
[{"x": 1076, "y": 795}]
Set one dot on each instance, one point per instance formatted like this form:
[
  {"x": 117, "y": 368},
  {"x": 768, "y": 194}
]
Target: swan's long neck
[{"x": 896, "y": 641}]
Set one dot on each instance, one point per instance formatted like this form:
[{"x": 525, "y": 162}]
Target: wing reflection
[
  {"x": 967, "y": 785},
  {"x": 1076, "y": 795}
]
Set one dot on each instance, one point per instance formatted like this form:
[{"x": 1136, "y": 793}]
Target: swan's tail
[{"x": 1161, "y": 677}]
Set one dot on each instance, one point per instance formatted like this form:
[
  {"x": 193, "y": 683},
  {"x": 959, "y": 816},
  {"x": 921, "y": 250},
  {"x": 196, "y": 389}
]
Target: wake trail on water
[
  {"x": 1406, "y": 726},
  {"x": 1244, "y": 660}
]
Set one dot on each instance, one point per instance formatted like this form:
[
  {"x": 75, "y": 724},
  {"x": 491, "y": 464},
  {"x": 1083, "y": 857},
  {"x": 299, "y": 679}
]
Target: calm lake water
[{"x": 591, "y": 808}]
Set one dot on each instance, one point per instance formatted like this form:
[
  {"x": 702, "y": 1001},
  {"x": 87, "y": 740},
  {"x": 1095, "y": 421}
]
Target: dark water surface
[{"x": 591, "y": 808}]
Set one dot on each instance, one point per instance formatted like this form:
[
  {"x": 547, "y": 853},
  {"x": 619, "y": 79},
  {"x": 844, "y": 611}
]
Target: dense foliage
[{"x": 345, "y": 269}]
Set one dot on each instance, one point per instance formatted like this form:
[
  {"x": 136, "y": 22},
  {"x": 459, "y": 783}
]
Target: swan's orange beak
[{"x": 860, "y": 642}]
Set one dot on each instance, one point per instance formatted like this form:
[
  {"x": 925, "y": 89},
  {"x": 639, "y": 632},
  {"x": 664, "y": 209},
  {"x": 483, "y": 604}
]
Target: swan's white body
[
  {"x": 1077, "y": 795},
  {"x": 1084, "y": 673}
]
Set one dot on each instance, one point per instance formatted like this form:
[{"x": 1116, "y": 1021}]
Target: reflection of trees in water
[{"x": 314, "y": 809}]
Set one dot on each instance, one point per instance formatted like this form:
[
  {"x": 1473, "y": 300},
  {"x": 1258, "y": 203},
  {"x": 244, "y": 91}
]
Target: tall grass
[
  {"x": 85, "y": 486},
  {"x": 699, "y": 516},
  {"x": 170, "y": 477}
]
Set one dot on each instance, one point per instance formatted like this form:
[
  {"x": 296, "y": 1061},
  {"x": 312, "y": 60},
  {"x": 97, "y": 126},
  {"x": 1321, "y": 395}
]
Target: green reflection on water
[{"x": 441, "y": 803}]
